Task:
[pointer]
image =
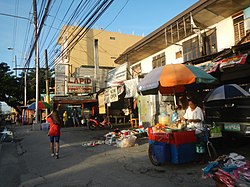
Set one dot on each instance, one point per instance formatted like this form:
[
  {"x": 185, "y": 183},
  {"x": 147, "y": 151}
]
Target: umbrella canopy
[
  {"x": 150, "y": 83},
  {"x": 225, "y": 92},
  {"x": 173, "y": 78},
  {"x": 41, "y": 105}
]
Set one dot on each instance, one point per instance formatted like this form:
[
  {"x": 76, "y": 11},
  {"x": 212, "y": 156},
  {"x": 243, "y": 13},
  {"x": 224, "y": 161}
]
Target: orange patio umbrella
[{"x": 172, "y": 78}]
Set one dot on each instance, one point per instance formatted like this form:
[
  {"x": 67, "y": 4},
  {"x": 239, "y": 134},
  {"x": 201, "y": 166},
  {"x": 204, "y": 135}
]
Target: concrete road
[{"x": 27, "y": 162}]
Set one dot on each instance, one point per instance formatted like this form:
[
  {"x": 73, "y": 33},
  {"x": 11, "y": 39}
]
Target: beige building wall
[{"x": 110, "y": 46}]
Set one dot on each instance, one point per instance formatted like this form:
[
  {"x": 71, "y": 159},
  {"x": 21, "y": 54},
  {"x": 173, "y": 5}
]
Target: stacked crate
[
  {"x": 177, "y": 147},
  {"x": 182, "y": 147}
]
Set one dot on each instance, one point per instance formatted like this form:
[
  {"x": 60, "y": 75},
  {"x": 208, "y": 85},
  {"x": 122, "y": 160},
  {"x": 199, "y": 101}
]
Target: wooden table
[{"x": 119, "y": 117}]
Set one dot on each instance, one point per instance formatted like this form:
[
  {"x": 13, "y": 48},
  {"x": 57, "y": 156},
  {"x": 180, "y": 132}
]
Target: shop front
[{"x": 78, "y": 108}]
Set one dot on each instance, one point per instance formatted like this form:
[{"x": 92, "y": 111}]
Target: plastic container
[
  {"x": 183, "y": 137},
  {"x": 161, "y": 151},
  {"x": 182, "y": 153},
  {"x": 174, "y": 117},
  {"x": 164, "y": 119}
]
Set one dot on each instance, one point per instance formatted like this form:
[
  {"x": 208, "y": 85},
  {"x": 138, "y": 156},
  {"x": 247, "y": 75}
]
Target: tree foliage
[
  {"x": 12, "y": 87},
  {"x": 9, "y": 87}
]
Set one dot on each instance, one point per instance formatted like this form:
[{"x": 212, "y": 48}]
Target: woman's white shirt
[{"x": 195, "y": 114}]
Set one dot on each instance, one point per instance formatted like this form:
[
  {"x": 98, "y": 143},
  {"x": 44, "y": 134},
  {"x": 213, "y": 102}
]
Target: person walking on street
[
  {"x": 54, "y": 132},
  {"x": 75, "y": 118},
  {"x": 65, "y": 118}
]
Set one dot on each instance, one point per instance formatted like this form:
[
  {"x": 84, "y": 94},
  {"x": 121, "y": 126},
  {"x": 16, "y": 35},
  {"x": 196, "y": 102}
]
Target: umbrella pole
[{"x": 175, "y": 103}]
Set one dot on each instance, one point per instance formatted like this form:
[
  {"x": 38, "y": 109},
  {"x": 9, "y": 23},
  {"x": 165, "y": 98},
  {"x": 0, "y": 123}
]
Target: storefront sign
[
  {"x": 113, "y": 95},
  {"x": 117, "y": 75},
  {"x": 80, "y": 85},
  {"x": 102, "y": 109},
  {"x": 60, "y": 69},
  {"x": 59, "y": 87}
]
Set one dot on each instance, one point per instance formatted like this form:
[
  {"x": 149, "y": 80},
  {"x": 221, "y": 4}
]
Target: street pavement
[{"x": 27, "y": 162}]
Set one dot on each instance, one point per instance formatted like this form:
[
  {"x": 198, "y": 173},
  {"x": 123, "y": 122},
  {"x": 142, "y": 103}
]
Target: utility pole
[
  {"x": 36, "y": 59},
  {"x": 46, "y": 79},
  {"x": 25, "y": 87},
  {"x": 96, "y": 64},
  {"x": 16, "y": 66}
]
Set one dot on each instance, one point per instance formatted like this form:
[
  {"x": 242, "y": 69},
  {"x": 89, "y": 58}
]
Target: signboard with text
[
  {"x": 117, "y": 75},
  {"x": 80, "y": 85}
]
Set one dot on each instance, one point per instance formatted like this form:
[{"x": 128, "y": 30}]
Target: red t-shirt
[{"x": 54, "y": 129}]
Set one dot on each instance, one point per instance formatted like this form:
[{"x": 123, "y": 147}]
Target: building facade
[
  {"x": 208, "y": 32},
  {"x": 82, "y": 67},
  {"x": 88, "y": 57}
]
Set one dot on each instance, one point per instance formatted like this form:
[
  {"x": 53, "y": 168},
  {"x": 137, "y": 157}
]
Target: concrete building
[
  {"x": 205, "y": 31},
  {"x": 89, "y": 56},
  {"x": 82, "y": 68}
]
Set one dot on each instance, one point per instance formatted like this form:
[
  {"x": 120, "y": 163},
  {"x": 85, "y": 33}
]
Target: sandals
[{"x": 55, "y": 155}]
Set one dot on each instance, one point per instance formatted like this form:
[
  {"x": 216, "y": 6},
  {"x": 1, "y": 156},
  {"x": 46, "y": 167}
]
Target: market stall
[{"x": 170, "y": 143}]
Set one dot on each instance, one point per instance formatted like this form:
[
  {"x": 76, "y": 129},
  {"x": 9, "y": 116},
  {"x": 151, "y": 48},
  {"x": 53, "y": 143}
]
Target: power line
[
  {"x": 14, "y": 16},
  {"x": 68, "y": 22},
  {"x": 98, "y": 11},
  {"x": 39, "y": 31}
]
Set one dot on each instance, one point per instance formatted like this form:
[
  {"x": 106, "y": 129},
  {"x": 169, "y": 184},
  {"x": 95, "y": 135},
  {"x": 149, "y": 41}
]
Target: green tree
[{"x": 10, "y": 87}]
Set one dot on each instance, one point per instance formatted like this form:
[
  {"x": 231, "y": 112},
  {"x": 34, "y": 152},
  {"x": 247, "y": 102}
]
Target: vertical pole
[
  {"x": 16, "y": 65},
  {"x": 25, "y": 84},
  {"x": 36, "y": 58},
  {"x": 96, "y": 64},
  {"x": 25, "y": 87},
  {"x": 46, "y": 78}
]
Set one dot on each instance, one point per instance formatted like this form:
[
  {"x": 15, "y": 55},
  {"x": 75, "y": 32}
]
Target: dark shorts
[{"x": 54, "y": 138}]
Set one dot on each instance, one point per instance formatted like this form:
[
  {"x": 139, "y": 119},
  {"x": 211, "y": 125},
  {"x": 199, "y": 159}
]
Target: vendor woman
[{"x": 194, "y": 115}]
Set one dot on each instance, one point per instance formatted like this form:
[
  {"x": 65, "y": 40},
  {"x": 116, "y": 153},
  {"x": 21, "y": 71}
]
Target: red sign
[{"x": 80, "y": 85}]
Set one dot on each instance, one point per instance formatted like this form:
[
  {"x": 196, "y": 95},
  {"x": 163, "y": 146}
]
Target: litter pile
[
  {"x": 6, "y": 135},
  {"x": 229, "y": 170},
  {"x": 119, "y": 138}
]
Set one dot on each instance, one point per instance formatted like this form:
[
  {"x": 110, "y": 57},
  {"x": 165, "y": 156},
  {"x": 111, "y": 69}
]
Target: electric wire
[
  {"x": 39, "y": 30},
  {"x": 68, "y": 22},
  {"x": 86, "y": 26},
  {"x": 48, "y": 32}
]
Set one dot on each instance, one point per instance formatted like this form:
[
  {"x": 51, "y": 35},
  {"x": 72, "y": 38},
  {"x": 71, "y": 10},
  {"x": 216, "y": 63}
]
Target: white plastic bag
[{"x": 126, "y": 142}]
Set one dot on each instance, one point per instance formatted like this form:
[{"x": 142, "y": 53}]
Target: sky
[{"x": 138, "y": 17}]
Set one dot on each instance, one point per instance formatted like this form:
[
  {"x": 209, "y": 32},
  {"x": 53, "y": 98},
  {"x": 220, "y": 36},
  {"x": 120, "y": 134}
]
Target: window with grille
[
  {"x": 191, "y": 49},
  {"x": 159, "y": 60},
  {"x": 239, "y": 29},
  {"x": 194, "y": 48},
  {"x": 136, "y": 70}
]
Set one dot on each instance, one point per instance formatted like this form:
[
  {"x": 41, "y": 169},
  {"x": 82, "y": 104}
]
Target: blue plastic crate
[
  {"x": 161, "y": 150},
  {"x": 182, "y": 153}
]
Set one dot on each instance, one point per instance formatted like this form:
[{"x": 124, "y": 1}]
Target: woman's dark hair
[
  {"x": 55, "y": 117},
  {"x": 193, "y": 100}
]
